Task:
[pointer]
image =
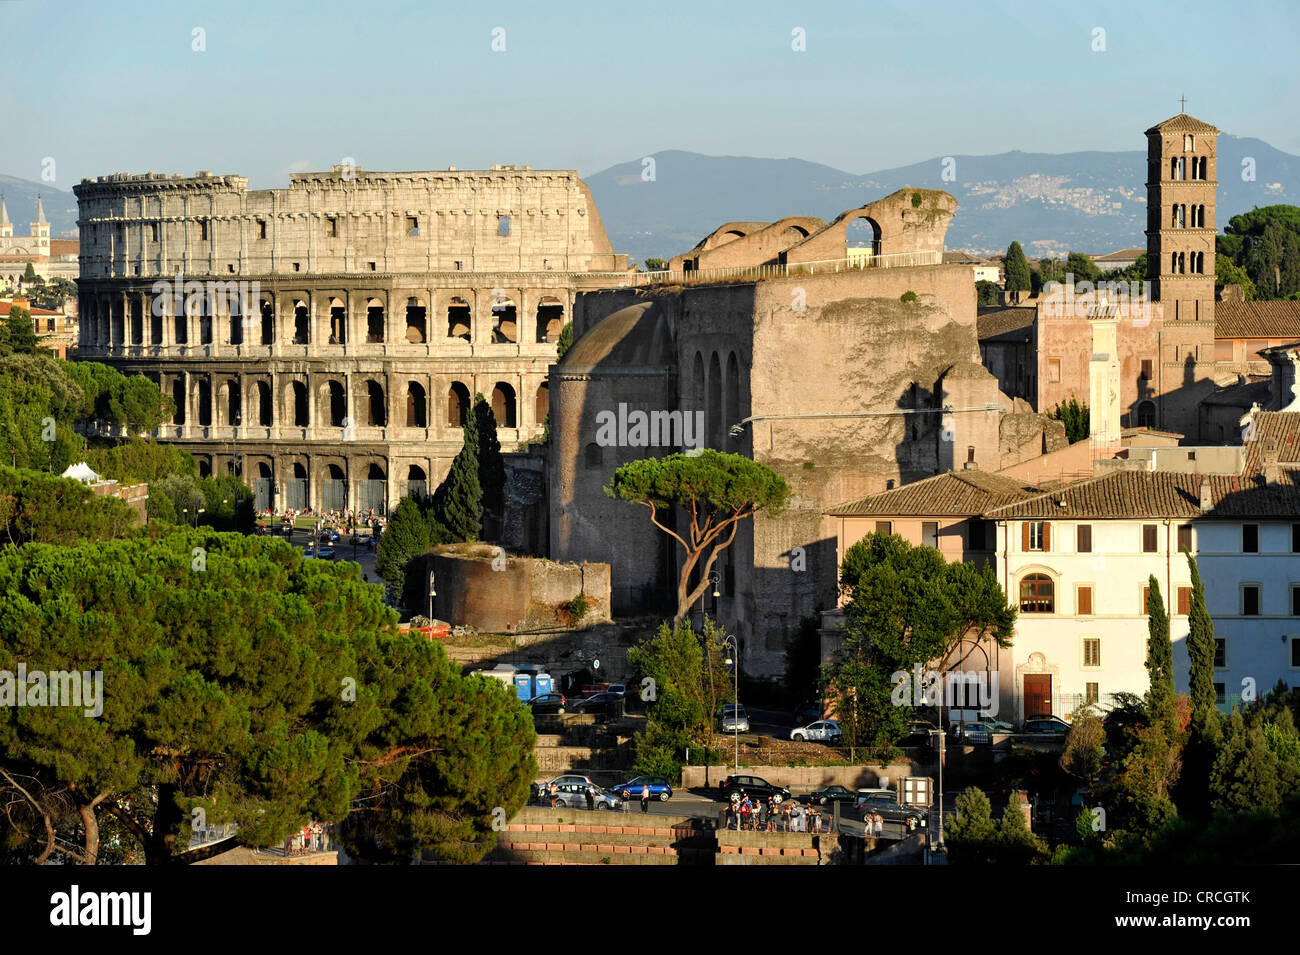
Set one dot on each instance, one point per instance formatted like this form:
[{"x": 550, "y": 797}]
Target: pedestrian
[
  {"x": 645, "y": 798},
  {"x": 771, "y": 814},
  {"x": 555, "y": 795},
  {"x": 591, "y": 798},
  {"x": 880, "y": 825},
  {"x": 744, "y": 814},
  {"x": 762, "y": 815}
]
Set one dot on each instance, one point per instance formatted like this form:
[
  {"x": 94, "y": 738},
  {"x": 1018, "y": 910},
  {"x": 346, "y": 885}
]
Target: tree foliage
[
  {"x": 1160, "y": 697},
  {"x": 41, "y": 508},
  {"x": 260, "y": 687},
  {"x": 1265, "y": 245},
  {"x": 491, "y": 466},
  {"x": 1075, "y": 416},
  {"x": 459, "y": 499},
  {"x": 1016, "y": 269},
  {"x": 717, "y": 490},
  {"x": 907, "y": 606}
]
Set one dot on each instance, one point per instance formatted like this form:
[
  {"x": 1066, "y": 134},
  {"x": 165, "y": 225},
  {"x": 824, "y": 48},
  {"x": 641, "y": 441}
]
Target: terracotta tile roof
[
  {"x": 1182, "y": 123},
  {"x": 955, "y": 493},
  {"x": 1004, "y": 320},
  {"x": 1132, "y": 495},
  {"x": 65, "y": 247},
  {"x": 1257, "y": 320},
  {"x": 1274, "y": 430},
  {"x": 5, "y": 306},
  {"x": 1122, "y": 254}
]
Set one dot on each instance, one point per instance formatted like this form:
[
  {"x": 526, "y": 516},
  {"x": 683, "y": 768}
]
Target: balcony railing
[{"x": 748, "y": 273}]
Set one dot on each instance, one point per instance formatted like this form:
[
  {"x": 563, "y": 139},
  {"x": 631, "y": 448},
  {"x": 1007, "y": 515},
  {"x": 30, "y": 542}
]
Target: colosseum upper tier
[{"x": 325, "y": 341}]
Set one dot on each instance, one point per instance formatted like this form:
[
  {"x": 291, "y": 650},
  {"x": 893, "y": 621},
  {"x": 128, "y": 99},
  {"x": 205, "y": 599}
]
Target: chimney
[
  {"x": 1207, "y": 499},
  {"x": 1269, "y": 464}
]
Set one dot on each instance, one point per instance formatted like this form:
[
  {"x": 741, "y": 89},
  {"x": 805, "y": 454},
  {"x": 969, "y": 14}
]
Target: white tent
[{"x": 81, "y": 472}]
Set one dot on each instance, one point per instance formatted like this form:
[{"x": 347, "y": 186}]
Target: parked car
[
  {"x": 618, "y": 689},
  {"x": 1046, "y": 726},
  {"x": 573, "y": 794},
  {"x": 995, "y": 725},
  {"x": 826, "y": 731},
  {"x": 752, "y": 786},
  {"x": 602, "y": 704},
  {"x": 325, "y": 553},
  {"x": 918, "y": 733},
  {"x": 978, "y": 733},
  {"x": 548, "y": 703},
  {"x": 329, "y": 536},
  {"x": 885, "y": 803},
  {"x": 659, "y": 787},
  {"x": 832, "y": 794},
  {"x": 733, "y": 719}
]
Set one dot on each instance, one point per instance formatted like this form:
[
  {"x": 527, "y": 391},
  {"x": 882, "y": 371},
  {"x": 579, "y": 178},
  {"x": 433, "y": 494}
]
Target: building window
[
  {"x": 1036, "y": 535},
  {"x": 1146, "y": 372},
  {"x": 1250, "y": 538},
  {"x": 203, "y": 231},
  {"x": 1185, "y": 538},
  {"x": 1084, "y": 544},
  {"x": 1053, "y": 369},
  {"x": 1147, "y": 414},
  {"x": 261, "y": 228},
  {"x": 1295, "y": 600},
  {"x": 1184, "y": 601},
  {"x": 1146, "y": 598},
  {"x": 503, "y": 226},
  {"x": 978, "y": 534},
  {"x": 1090, "y": 693},
  {"x": 297, "y": 266},
  {"x": 374, "y": 266},
  {"x": 1295, "y": 538},
  {"x": 460, "y": 266},
  {"x": 332, "y": 227},
  {"x": 1250, "y": 600},
  {"x": 154, "y": 228},
  {"x": 1037, "y": 594},
  {"x": 1295, "y": 653},
  {"x": 1092, "y": 651},
  {"x": 1218, "y": 693},
  {"x": 413, "y": 227},
  {"x": 884, "y": 527},
  {"x": 1083, "y": 600},
  {"x": 930, "y": 534},
  {"x": 1220, "y": 653},
  {"x": 1150, "y": 538}
]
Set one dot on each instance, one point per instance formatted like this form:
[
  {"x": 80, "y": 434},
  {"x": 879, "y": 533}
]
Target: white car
[{"x": 823, "y": 731}]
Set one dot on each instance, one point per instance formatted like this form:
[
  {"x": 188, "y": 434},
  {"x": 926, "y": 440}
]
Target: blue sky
[{"x": 285, "y": 86}]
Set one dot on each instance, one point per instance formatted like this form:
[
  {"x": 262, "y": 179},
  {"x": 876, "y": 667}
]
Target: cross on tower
[{"x": 1182, "y": 104}]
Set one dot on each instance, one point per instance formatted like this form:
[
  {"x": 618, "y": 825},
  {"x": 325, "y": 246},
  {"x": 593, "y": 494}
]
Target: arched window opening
[
  {"x": 1037, "y": 594},
  {"x": 416, "y": 406},
  {"x": 458, "y": 319},
  {"x": 550, "y": 319},
  {"x": 374, "y": 321},
  {"x": 416, "y": 330},
  {"x": 457, "y": 405},
  {"x": 503, "y": 405}
]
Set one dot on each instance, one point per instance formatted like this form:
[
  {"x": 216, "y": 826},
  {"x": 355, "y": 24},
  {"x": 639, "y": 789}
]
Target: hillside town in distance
[{"x": 399, "y": 518}]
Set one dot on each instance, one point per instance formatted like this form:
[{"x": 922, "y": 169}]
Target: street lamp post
[
  {"x": 938, "y": 844},
  {"x": 735, "y": 715}
]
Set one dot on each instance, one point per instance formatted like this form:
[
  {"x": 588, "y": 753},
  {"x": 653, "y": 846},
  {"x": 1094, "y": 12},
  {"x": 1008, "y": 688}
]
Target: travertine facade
[{"x": 330, "y": 336}]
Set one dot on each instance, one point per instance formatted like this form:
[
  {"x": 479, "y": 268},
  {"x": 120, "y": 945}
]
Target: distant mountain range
[{"x": 1052, "y": 203}]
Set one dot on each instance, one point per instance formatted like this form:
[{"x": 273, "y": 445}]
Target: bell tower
[{"x": 1182, "y": 178}]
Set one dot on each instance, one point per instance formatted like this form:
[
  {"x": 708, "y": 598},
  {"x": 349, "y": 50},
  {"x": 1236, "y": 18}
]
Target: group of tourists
[
  {"x": 770, "y": 815},
  {"x": 873, "y": 825},
  {"x": 314, "y": 837}
]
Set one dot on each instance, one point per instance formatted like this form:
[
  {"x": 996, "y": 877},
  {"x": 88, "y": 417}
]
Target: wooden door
[{"x": 1038, "y": 695}]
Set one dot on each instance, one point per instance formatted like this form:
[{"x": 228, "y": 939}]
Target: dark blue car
[{"x": 659, "y": 788}]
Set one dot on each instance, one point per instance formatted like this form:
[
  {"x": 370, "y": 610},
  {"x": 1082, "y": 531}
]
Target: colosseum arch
[
  {"x": 333, "y": 404},
  {"x": 178, "y": 398},
  {"x": 265, "y": 406},
  {"x": 542, "y": 406},
  {"x": 505, "y": 320},
  {"x": 266, "y": 308},
  {"x": 550, "y": 318},
  {"x": 504, "y": 405},
  {"x": 460, "y": 318},
  {"x": 375, "y": 404},
  {"x": 205, "y": 403},
  {"x": 376, "y": 320},
  {"x": 458, "y": 405},
  {"x": 230, "y": 403},
  {"x": 713, "y": 406},
  {"x": 417, "y": 327},
  {"x": 417, "y": 405},
  {"x": 301, "y": 322},
  {"x": 338, "y": 311},
  {"x": 731, "y": 407}
]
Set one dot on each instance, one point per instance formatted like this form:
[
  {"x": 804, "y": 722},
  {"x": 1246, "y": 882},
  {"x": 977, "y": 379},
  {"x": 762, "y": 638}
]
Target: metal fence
[
  {"x": 262, "y": 494},
  {"x": 374, "y": 494},
  {"x": 295, "y": 492},
  {"x": 820, "y": 267},
  {"x": 334, "y": 495}
]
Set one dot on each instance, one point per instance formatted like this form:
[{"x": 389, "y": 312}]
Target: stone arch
[
  {"x": 178, "y": 398},
  {"x": 504, "y": 405},
  {"x": 862, "y": 232},
  {"x": 333, "y": 402},
  {"x": 417, "y": 405},
  {"x": 1036, "y": 592},
  {"x": 1146, "y": 414},
  {"x": 417, "y": 328},
  {"x": 697, "y": 383},
  {"x": 205, "y": 403},
  {"x": 376, "y": 408},
  {"x": 542, "y": 405},
  {"x": 265, "y": 410},
  {"x": 460, "y": 318},
  {"x": 231, "y": 402},
  {"x": 338, "y": 312},
  {"x": 550, "y": 318},
  {"x": 301, "y": 322},
  {"x": 458, "y": 405},
  {"x": 301, "y": 406},
  {"x": 505, "y": 320},
  {"x": 266, "y": 308},
  {"x": 416, "y": 483},
  {"x": 205, "y": 465},
  {"x": 375, "y": 320}
]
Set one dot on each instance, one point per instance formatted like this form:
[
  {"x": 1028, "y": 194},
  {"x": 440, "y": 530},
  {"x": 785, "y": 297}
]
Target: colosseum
[{"x": 326, "y": 340}]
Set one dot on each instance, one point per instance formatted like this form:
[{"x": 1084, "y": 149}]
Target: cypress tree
[
  {"x": 1160, "y": 662},
  {"x": 459, "y": 499},
  {"x": 1200, "y": 650},
  {"x": 491, "y": 466},
  {"x": 1017, "y": 270},
  {"x": 405, "y": 538}
]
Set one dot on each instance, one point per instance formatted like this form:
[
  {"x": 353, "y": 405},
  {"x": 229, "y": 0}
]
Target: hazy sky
[{"x": 285, "y": 86}]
